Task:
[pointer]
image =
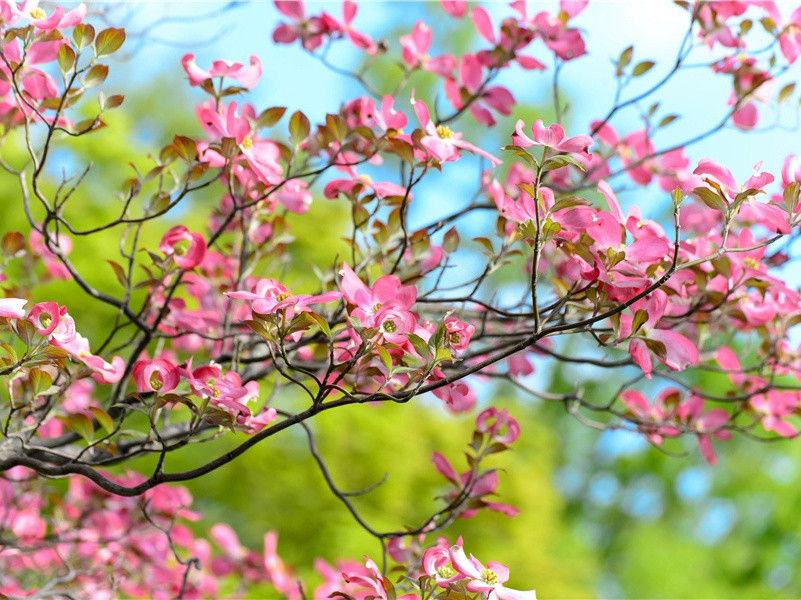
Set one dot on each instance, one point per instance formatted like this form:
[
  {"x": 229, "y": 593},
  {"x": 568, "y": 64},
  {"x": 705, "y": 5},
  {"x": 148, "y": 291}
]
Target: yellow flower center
[
  {"x": 45, "y": 319},
  {"x": 455, "y": 338},
  {"x": 446, "y": 571},
  {"x": 247, "y": 142},
  {"x": 215, "y": 392},
  {"x": 751, "y": 263},
  {"x": 38, "y": 13},
  {"x": 155, "y": 380},
  {"x": 489, "y": 576},
  {"x": 181, "y": 247},
  {"x": 444, "y": 132},
  {"x": 389, "y": 326},
  {"x": 282, "y": 297}
]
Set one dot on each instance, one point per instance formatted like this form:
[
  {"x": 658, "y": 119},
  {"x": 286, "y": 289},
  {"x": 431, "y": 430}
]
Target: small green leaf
[
  {"x": 640, "y": 318},
  {"x": 109, "y": 41},
  {"x": 119, "y": 272},
  {"x": 642, "y": 68},
  {"x": 450, "y": 242},
  {"x": 270, "y": 116},
  {"x": 83, "y": 35},
  {"x": 66, "y": 58},
  {"x": 103, "y": 418},
  {"x": 667, "y": 120},
  {"x": 80, "y": 424},
  {"x": 299, "y": 127}
]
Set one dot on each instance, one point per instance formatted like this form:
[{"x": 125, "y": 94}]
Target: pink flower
[
  {"x": 478, "y": 487},
  {"x": 11, "y": 308},
  {"x": 225, "y": 391},
  {"x": 791, "y": 169},
  {"x": 247, "y": 76},
  {"x": 360, "y": 40},
  {"x": 718, "y": 174},
  {"x": 499, "y": 424},
  {"x": 458, "y": 397},
  {"x": 45, "y": 317},
  {"x": 186, "y": 248},
  {"x": 51, "y": 260},
  {"x": 458, "y": 333},
  {"x": 261, "y": 156},
  {"x": 280, "y": 576},
  {"x": 269, "y": 296},
  {"x": 677, "y": 352},
  {"x": 486, "y": 580},
  {"x": 415, "y": 52},
  {"x": 437, "y": 564},
  {"x": 310, "y": 30},
  {"x": 455, "y": 8},
  {"x": 706, "y": 424},
  {"x": 103, "y": 371},
  {"x": 354, "y": 186},
  {"x": 159, "y": 375},
  {"x": 57, "y": 20},
  {"x": 652, "y": 418},
  {"x": 441, "y": 142},
  {"x": 387, "y": 292},
  {"x": 553, "y": 137}
]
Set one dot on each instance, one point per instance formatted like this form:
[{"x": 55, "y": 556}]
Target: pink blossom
[
  {"x": 268, "y": 296},
  {"x": 458, "y": 397},
  {"x": 247, "y": 76},
  {"x": 159, "y": 375},
  {"x": 279, "y": 575},
  {"x": 11, "y": 308},
  {"x": 415, "y": 52},
  {"x": 486, "y": 580},
  {"x": 186, "y": 248},
  {"x": 458, "y": 333},
  {"x": 441, "y": 142},
  {"x": 553, "y": 137},
  {"x": 45, "y": 317},
  {"x": 437, "y": 564},
  {"x": 499, "y": 424},
  {"x": 455, "y": 8}
]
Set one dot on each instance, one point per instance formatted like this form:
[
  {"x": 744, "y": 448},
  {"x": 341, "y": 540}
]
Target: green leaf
[
  {"x": 790, "y": 196},
  {"x": 569, "y": 202},
  {"x": 561, "y": 160},
  {"x": 185, "y": 147},
  {"x": 321, "y": 323},
  {"x": 13, "y": 242},
  {"x": 624, "y": 59},
  {"x": 785, "y": 92},
  {"x": 667, "y": 120},
  {"x": 299, "y": 127},
  {"x": 419, "y": 344},
  {"x": 642, "y": 68},
  {"x": 112, "y": 102},
  {"x": 103, "y": 418},
  {"x": 83, "y": 35},
  {"x": 40, "y": 381},
  {"x": 711, "y": 199},
  {"x": 80, "y": 424},
  {"x": 386, "y": 359},
  {"x": 119, "y": 272},
  {"x": 640, "y": 318},
  {"x": 450, "y": 242},
  {"x": 270, "y": 116},
  {"x": 109, "y": 41},
  {"x": 66, "y": 58}
]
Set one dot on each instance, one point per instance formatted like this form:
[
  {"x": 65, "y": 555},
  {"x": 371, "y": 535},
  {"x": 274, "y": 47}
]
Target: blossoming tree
[{"x": 208, "y": 341}]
